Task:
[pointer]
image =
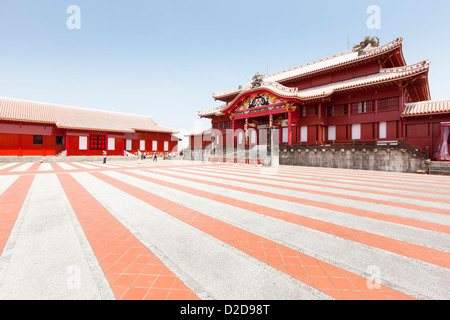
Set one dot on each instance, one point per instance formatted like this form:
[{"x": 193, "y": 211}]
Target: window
[
  {"x": 142, "y": 145},
  {"x": 332, "y": 133},
  {"x": 285, "y": 137},
  {"x": 303, "y": 111},
  {"x": 111, "y": 144},
  {"x": 339, "y": 110},
  {"x": 304, "y": 134},
  {"x": 383, "y": 130},
  {"x": 362, "y": 107},
  {"x": 389, "y": 104},
  {"x": 155, "y": 145},
  {"x": 252, "y": 136},
  {"x": 166, "y": 145},
  {"x": 356, "y": 131},
  {"x": 98, "y": 142},
  {"x": 38, "y": 140},
  {"x": 128, "y": 144},
  {"x": 83, "y": 143},
  {"x": 59, "y": 140},
  {"x": 240, "y": 137}
]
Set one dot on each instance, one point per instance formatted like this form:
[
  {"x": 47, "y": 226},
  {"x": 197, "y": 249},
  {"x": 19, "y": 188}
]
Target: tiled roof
[
  {"x": 341, "y": 59},
  {"x": 426, "y": 108},
  {"x": 196, "y": 132},
  {"x": 385, "y": 75},
  {"x": 67, "y": 117}
]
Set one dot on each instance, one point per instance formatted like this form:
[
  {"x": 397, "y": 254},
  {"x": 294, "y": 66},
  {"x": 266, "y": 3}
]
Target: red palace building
[
  {"x": 366, "y": 94},
  {"x": 43, "y": 129}
]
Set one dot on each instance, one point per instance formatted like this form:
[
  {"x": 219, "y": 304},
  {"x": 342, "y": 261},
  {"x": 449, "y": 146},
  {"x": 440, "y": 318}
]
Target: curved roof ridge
[{"x": 353, "y": 56}]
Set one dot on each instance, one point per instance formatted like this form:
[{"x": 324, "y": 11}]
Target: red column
[
  {"x": 20, "y": 146},
  {"x": 89, "y": 145},
  {"x": 320, "y": 134},
  {"x": 290, "y": 128},
  {"x": 233, "y": 128},
  {"x": 67, "y": 145}
]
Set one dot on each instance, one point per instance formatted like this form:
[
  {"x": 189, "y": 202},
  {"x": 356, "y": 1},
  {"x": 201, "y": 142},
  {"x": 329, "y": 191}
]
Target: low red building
[
  {"x": 365, "y": 94},
  {"x": 43, "y": 129}
]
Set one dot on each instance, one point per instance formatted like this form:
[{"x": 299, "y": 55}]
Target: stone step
[{"x": 439, "y": 168}]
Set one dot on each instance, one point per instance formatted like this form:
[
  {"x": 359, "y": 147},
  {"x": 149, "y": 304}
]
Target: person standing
[
  {"x": 155, "y": 158},
  {"x": 104, "y": 156},
  {"x": 139, "y": 156}
]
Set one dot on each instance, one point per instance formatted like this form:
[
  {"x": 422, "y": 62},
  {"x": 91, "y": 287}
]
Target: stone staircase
[{"x": 439, "y": 167}]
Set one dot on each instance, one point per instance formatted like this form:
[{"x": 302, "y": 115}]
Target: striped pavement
[{"x": 181, "y": 230}]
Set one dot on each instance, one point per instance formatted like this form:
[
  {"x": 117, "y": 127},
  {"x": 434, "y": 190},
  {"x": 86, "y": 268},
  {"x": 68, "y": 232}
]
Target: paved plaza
[{"x": 181, "y": 230}]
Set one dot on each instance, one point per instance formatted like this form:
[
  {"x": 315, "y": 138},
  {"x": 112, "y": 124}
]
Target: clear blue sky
[{"x": 166, "y": 58}]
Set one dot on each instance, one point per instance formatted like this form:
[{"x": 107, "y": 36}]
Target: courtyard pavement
[{"x": 182, "y": 230}]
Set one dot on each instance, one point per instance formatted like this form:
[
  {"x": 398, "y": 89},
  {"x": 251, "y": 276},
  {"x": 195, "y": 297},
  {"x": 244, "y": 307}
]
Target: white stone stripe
[
  {"x": 407, "y": 274},
  {"x": 6, "y": 182},
  {"x": 101, "y": 165},
  {"x": 45, "y": 167},
  {"x": 23, "y": 167},
  {"x": 392, "y": 230},
  {"x": 331, "y": 177},
  {"x": 224, "y": 174},
  {"x": 47, "y": 250},
  {"x": 84, "y": 165},
  {"x": 372, "y": 175},
  {"x": 66, "y": 166},
  {"x": 216, "y": 267},
  {"x": 5, "y": 166},
  {"x": 328, "y": 183}
]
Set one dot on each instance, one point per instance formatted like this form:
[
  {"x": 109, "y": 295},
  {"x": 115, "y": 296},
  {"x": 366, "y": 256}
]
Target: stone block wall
[{"x": 394, "y": 160}]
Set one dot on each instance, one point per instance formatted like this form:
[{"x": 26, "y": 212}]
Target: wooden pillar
[
  {"x": 89, "y": 145},
  {"x": 233, "y": 128},
  {"x": 106, "y": 141},
  {"x": 20, "y": 146},
  {"x": 246, "y": 131},
  {"x": 320, "y": 134},
  {"x": 44, "y": 149},
  {"x": 290, "y": 128},
  {"x": 67, "y": 145}
]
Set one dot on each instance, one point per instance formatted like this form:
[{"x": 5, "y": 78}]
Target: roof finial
[
  {"x": 372, "y": 41},
  {"x": 257, "y": 80}
]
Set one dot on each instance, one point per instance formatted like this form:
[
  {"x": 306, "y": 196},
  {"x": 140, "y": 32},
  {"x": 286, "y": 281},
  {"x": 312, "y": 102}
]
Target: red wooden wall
[{"x": 17, "y": 139}]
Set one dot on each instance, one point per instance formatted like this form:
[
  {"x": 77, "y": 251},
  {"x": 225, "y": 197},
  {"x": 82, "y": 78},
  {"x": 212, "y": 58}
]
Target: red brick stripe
[
  {"x": 331, "y": 280},
  {"x": 418, "y": 252},
  {"x": 132, "y": 270},
  {"x": 11, "y": 202}
]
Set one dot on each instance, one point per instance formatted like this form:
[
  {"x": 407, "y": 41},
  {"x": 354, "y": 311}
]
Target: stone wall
[{"x": 395, "y": 160}]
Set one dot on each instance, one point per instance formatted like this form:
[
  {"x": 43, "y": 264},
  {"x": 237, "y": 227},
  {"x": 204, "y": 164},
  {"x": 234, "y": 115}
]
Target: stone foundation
[{"x": 380, "y": 160}]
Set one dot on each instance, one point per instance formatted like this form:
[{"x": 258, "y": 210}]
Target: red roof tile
[{"x": 67, "y": 117}]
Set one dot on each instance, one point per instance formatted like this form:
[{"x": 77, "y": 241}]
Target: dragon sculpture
[{"x": 362, "y": 46}]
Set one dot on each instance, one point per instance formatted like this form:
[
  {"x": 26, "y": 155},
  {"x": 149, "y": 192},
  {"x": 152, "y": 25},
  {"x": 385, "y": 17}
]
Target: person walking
[
  {"x": 104, "y": 156},
  {"x": 139, "y": 156},
  {"x": 155, "y": 158}
]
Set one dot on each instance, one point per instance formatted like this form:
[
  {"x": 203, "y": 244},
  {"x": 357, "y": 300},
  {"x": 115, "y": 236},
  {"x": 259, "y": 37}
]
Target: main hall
[{"x": 366, "y": 94}]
